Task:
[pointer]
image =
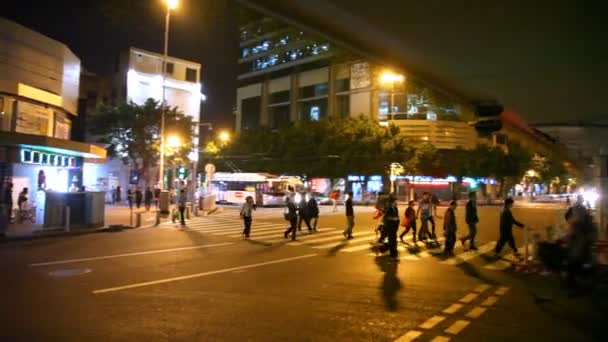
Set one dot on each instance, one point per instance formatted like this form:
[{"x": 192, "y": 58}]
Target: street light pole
[{"x": 170, "y": 5}]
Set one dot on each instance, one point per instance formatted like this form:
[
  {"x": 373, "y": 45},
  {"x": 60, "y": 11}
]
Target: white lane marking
[
  {"x": 69, "y": 261},
  {"x": 310, "y": 239},
  {"x": 506, "y": 261},
  {"x": 367, "y": 246},
  {"x": 452, "y": 309},
  {"x": 440, "y": 339},
  {"x": 203, "y": 274},
  {"x": 306, "y": 237},
  {"x": 457, "y": 327},
  {"x": 490, "y": 301},
  {"x": 431, "y": 322},
  {"x": 233, "y": 228},
  {"x": 476, "y": 312},
  {"x": 272, "y": 232},
  {"x": 362, "y": 238},
  {"x": 482, "y": 288},
  {"x": 502, "y": 290},
  {"x": 468, "y": 298},
  {"x": 461, "y": 258},
  {"x": 231, "y": 232},
  {"x": 409, "y": 336}
]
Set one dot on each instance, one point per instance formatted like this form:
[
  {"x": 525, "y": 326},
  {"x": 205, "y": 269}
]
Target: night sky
[{"x": 204, "y": 31}]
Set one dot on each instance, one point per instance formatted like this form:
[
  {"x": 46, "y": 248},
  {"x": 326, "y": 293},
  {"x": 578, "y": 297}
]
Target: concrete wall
[{"x": 37, "y": 61}]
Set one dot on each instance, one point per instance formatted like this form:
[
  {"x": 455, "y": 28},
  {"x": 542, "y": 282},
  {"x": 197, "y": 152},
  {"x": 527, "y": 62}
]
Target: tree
[
  {"x": 328, "y": 148},
  {"x": 131, "y": 134}
]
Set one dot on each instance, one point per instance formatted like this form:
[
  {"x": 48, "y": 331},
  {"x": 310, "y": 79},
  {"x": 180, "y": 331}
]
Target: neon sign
[{"x": 46, "y": 159}]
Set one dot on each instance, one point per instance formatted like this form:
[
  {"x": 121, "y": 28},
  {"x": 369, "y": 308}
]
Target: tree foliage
[
  {"x": 131, "y": 134},
  {"x": 327, "y": 148}
]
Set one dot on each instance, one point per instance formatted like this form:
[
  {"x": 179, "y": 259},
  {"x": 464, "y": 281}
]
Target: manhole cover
[{"x": 69, "y": 272}]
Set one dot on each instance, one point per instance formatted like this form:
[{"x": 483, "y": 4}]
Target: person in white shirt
[{"x": 246, "y": 214}]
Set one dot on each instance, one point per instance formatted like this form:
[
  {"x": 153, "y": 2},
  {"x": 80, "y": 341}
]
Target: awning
[{"x": 52, "y": 145}]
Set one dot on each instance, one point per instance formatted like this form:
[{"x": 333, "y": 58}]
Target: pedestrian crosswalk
[
  {"x": 332, "y": 238},
  {"x": 277, "y": 212}
]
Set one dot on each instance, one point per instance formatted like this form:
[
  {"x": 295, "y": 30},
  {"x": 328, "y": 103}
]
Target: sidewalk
[{"x": 115, "y": 216}]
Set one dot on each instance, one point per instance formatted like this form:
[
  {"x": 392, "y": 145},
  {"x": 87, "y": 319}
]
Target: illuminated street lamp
[
  {"x": 174, "y": 141},
  {"x": 171, "y": 5},
  {"x": 389, "y": 77},
  {"x": 224, "y": 136}
]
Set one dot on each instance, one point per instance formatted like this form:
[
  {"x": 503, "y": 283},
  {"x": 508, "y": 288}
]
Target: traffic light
[{"x": 488, "y": 118}]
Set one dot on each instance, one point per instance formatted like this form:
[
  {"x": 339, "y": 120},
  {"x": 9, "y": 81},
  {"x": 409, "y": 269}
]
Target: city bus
[{"x": 266, "y": 189}]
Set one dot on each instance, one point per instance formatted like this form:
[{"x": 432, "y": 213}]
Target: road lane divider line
[
  {"x": 476, "y": 312},
  {"x": 409, "y": 336},
  {"x": 466, "y": 256},
  {"x": 469, "y": 298},
  {"x": 501, "y": 291},
  {"x": 482, "y": 288},
  {"x": 431, "y": 322},
  {"x": 452, "y": 309},
  {"x": 361, "y": 238},
  {"x": 457, "y": 327},
  {"x": 202, "y": 274},
  {"x": 440, "y": 339},
  {"x": 70, "y": 261},
  {"x": 490, "y": 301}
]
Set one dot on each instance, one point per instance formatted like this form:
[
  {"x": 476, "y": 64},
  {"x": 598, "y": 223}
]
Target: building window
[
  {"x": 314, "y": 90},
  {"x": 279, "y": 116},
  {"x": 313, "y": 110},
  {"x": 343, "y": 106},
  {"x": 250, "y": 112},
  {"x": 169, "y": 68},
  {"x": 342, "y": 85},
  {"x": 280, "y": 97},
  {"x": 191, "y": 75}
]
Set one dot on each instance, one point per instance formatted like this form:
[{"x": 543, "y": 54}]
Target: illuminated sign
[
  {"x": 356, "y": 178},
  {"x": 46, "y": 159}
]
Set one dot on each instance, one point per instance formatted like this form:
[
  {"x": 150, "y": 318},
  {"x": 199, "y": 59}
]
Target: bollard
[
  {"x": 67, "y": 218},
  {"x": 196, "y": 211},
  {"x": 188, "y": 213},
  {"x": 138, "y": 220},
  {"x": 157, "y": 218}
]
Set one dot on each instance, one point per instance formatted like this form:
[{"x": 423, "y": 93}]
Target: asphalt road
[{"x": 206, "y": 284}]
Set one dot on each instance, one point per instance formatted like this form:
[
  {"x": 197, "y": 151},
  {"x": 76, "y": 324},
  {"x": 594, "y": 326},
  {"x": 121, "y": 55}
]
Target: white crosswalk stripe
[{"x": 229, "y": 225}]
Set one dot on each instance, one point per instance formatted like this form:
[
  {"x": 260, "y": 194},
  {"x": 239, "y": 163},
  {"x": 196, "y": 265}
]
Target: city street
[{"x": 205, "y": 283}]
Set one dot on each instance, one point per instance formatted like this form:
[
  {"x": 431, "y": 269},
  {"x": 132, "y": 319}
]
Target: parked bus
[{"x": 266, "y": 189}]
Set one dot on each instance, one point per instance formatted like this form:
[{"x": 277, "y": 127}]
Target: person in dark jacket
[
  {"x": 303, "y": 215},
  {"x": 118, "y": 194},
  {"x": 130, "y": 197},
  {"x": 157, "y": 196},
  {"x": 313, "y": 212},
  {"x": 350, "y": 216},
  {"x": 472, "y": 219},
  {"x": 291, "y": 215},
  {"x": 148, "y": 195},
  {"x": 391, "y": 225},
  {"x": 449, "y": 229},
  {"x": 410, "y": 222},
  {"x": 138, "y": 197},
  {"x": 506, "y": 229}
]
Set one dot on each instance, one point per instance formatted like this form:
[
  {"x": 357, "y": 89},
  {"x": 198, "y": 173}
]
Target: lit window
[{"x": 314, "y": 113}]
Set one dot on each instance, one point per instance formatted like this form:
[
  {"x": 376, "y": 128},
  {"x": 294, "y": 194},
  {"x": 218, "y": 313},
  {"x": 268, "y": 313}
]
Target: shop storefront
[{"x": 365, "y": 188}]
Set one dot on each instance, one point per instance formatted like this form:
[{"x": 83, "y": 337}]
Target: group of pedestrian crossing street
[{"x": 388, "y": 212}]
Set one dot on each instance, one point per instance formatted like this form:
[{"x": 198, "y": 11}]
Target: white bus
[{"x": 266, "y": 189}]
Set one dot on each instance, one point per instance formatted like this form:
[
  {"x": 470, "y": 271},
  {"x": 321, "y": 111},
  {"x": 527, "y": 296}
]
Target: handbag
[{"x": 406, "y": 222}]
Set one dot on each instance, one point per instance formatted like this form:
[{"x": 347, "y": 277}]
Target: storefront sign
[
  {"x": 46, "y": 159},
  {"x": 356, "y": 178}
]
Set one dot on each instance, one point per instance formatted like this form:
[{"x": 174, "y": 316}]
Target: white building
[{"x": 140, "y": 78}]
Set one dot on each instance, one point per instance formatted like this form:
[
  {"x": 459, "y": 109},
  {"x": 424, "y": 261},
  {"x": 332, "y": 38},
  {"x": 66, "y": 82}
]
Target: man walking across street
[
  {"x": 246, "y": 214},
  {"x": 181, "y": 205},
  {"x": 425, "y": 212},
  {"x": 472, "y": 219},
  {"x": 506, "y": 229},
  {"x": 391, "y": 225},
  {"x": 303, "y": 213},
  {"x": 313, "y": 212},
  {"x": 291, "y": 216},
  {"x": 409, "y": 222},
  {"x": 449, "y": 230},
  {"x": 350, "y": 216}
]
